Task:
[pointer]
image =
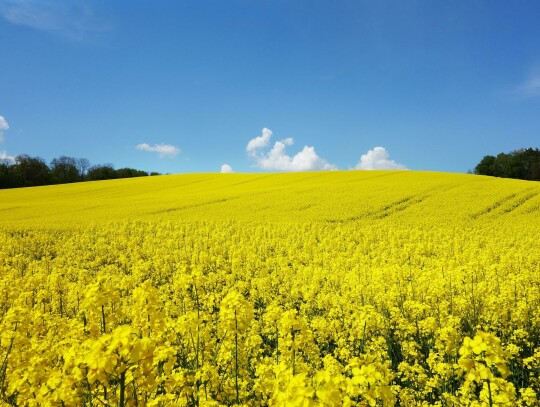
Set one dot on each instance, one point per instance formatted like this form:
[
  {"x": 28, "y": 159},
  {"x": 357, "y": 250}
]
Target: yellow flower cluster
[{"x": 373, "y": 303}]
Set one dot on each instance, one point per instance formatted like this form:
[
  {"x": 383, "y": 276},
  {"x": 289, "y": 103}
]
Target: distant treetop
[
  {"x": 519, "y": 164},
  {"x": 26, "y": 171}
]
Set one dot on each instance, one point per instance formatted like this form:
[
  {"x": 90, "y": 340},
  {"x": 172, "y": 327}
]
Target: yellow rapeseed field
[{"x": 343, "y": 288}]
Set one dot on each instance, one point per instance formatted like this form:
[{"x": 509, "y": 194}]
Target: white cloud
[
  {"x": 3, "y": 123},
  {"x": 226, "y": 169},
  {"x": 378, "y": 159},
  {"x": 289, "y": 141},
  {"x": 74, "y": 19},
  {"x": 259, "y": 142},
  {"x": 164, "y": 150},
  {"x": 3, "y": 126},
  {"x": 529, "y": 88},
  {"x": 278, "y": 159},
  {"x": 5, "y": 157}
]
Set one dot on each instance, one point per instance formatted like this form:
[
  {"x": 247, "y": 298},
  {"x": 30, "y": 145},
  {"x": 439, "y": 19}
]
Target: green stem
[
  {"x": 197, "y": 385},
  {"x": 103, "y": 327},
  {"x": 122, "y": 388},
  {"x": 277, "y": 343},
  {"x": 293, "y": 354},
  {"x": 489, "y": 393},
  {"x": 3, "y": 369},
  {"x": 89, "y": 388},
  {"x": 61, "y": 306},
  {"x": 236, "y": 355}
]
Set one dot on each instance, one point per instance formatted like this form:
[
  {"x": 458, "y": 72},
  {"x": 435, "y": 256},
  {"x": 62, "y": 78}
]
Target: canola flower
[{"x": 317, "y": 289}]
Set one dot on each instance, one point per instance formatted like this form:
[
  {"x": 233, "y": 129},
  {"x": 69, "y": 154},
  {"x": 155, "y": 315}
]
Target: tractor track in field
[
  {"x": 182, "y": 208},
  {"x": 10, "y": 208},
  {"x": 515, "y": 205},
  {"x": 493, "y": 207},
  {"x": 507, "y": 204},
  {"x": 398, "y": 206},
  {"x": 387, "y": 210}
]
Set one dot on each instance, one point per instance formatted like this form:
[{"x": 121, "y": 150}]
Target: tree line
[
  {"x": 520, "y": 164},
  {"x": 27, "y": 171}
]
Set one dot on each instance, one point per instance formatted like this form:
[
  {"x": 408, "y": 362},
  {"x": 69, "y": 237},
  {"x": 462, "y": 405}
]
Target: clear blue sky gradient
[{"x": 439, "y": 84}]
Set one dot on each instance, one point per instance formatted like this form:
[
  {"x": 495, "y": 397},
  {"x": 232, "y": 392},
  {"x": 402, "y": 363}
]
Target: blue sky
[{"x": 187, "y": 86}]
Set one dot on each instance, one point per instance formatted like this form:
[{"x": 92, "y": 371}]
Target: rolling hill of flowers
[{"x": 342, "y": 288}]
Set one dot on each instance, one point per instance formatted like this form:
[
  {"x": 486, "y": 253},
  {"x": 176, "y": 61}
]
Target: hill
[
  {"x": 339, "y": 196},
  {"x": 355, "y": 288}
]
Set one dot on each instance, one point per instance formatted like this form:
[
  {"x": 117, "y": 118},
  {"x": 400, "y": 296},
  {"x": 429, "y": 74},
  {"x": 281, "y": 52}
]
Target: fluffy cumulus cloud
[
  {"x": 3, "y": 127},
  {"x": 378, "y": 159},
  {"x": 258, "y": 143},
  {"x": 164, "y": 150},
  {"x": 276, "y": 158},
  {"x": 226, "y": 169}
]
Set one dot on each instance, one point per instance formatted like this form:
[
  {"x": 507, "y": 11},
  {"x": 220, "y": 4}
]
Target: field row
[{"x": 334, "y": 197}]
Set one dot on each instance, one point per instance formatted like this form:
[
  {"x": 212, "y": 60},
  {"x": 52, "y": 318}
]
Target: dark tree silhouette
[
  {"x": 130, "y": 173},
  {"x": 519, "y": 164},
  {"x": 7, "y": 178},
  {"x": 30, "y": 171},
  {"x": 101, "y": 172},
  {"x": 26, "y": 171},
  {"x": 82, "y": 166},
  {"x": 64, "y": 170}
]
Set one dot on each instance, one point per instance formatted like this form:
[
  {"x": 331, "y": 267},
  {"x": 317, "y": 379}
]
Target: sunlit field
[{"x": 342, "y": 288}]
